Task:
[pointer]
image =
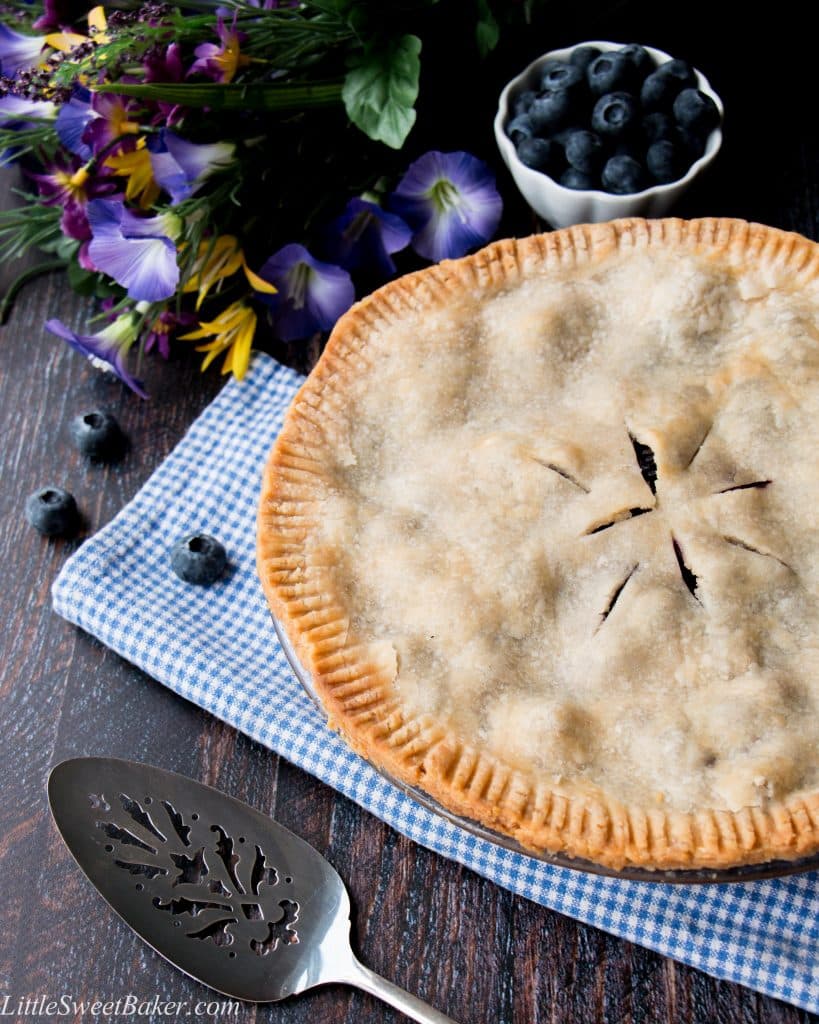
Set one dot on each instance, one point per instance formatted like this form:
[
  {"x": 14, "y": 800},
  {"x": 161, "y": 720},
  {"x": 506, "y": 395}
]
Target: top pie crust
[{"x": 542, "y": 526}]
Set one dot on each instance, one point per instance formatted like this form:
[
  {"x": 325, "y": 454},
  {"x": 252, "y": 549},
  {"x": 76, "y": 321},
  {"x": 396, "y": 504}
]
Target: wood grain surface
[{"x": 467, "y": 946}]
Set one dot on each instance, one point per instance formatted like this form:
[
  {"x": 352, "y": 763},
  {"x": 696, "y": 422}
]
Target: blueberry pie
[{"x": 543, "y": 524}]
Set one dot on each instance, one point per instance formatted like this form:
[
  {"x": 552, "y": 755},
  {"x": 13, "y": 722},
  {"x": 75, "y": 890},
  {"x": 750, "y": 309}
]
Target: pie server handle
[{"x": 362, "y": 977}]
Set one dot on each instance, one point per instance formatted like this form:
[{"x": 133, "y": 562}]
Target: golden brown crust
[{"x": 355, "y": 681}]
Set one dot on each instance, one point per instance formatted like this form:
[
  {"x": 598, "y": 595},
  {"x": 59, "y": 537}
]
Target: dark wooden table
[{"x": 468, "y": 947}]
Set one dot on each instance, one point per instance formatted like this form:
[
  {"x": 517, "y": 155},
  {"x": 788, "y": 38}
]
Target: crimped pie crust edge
[{"x": 357, "y": 692}]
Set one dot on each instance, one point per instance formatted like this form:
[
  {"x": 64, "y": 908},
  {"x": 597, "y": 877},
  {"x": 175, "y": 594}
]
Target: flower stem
[
  {"x": 22, "y": 280},
  {"x": 235, "y": 96}
]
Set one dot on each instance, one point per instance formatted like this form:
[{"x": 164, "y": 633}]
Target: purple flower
[
  {"x": 311, "y": 295},
  {"x": 15, "y": 112},
  {"x": 72, "y": 121},
  {"x": 365, "y": 236},
  {"x": 221, "y": 62},
  {"x": 17, "y": 51},
  {"x": 69, "y": 185},
  {"x": 14, "y": 109},
  {"x": 137, "y": 252},
  {"x": 181, "y": 167},
  {"x": 59, "y": 13},
  {"x": 450, "y": 201},
  {"x": 110, "y": 119},
  {"x": 90, "y": 121},
  {"x": 163, "y": 64},
  {"x": 107, "y": 349},
  {"x": 163, "y": 327}
]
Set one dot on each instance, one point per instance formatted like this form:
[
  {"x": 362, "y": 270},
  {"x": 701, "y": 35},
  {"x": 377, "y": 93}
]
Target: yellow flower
[
  {"x": 72, "y": 184},
  {"x": 98, "y": 25},
  {"x": 232, "y": 332},
  {"x": 118, "y": 120},
  {"x": 135, "y": 165},
  {"x": 230, "y": 58},
  {"x": 217, "y": 260},
  {"x": 66, "y": 41}
]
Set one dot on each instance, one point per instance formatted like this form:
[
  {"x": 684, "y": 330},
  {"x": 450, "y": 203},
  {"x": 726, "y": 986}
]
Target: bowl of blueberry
[{"x": 604, "y": 130}]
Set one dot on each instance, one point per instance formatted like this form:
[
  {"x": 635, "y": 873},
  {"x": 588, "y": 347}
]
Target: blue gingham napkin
[{"x": 216, "y": 647}]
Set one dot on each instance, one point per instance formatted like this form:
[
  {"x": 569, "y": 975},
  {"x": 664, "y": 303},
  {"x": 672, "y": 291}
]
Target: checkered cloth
[{"x": 216, "y": 647}]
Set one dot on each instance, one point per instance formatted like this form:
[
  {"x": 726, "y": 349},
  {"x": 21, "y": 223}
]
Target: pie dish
[{"x": 541, "y": 525}]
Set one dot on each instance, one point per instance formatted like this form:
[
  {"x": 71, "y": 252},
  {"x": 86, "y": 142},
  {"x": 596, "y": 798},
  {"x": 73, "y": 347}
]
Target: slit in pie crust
[{"x": 542, "y": 525}]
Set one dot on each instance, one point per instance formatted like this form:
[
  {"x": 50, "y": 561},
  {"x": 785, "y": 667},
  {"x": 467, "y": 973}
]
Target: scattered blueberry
[
  {"x": 666, "y": 161},
  {"x": 539, "y": 154},
  {"x": 551, "y": 110},
  {"x": 615, "y": 115},
  {"x": 582, "y": 56},
  {"x": 622, "y": 175},
  {"x": 53, "y": 512},
  {"x": 696, "y": 111},
  {"x": 640, "y": 57},
  {"x": 610, "y": 72},
  {"x": 98, "y": 435},
  {"x": 198, "y": 558},
  {"x": 584, "y": 151},
  {"x": 562, "y": 76},
  {"x": 572, "y": 178}
]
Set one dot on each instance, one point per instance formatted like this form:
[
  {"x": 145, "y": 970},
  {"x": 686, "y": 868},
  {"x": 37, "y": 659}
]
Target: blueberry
[
  {"x": 666, "y": 161},
  {"x": 551, "y": 110},
  {"x": 628, "y": 147},
  {"x": 539, "y": 154},
  {"x": 561, "y": 76},
  {"x": 198, "y": 558},
  {"x": 640, "y": 57},
  {"x": 680, "y": 71},
  {"x": 572, "y": 178},
  {"x": 615, "y": 115},
  {"x": 566, "y": 133},
  {"x": 584, "y": 151},
  {"x": 661, "y": 87},
  {"x": 692, "y": 144},
  {"x": 696, "y": 112},
  {"x": 522, "y": 102},
  {"x": 520, "y": 128},
  {"x": 98, "y": 435},
  {"x": 623, "y": 175},
  {"x": 582, "y": 56},
  {"x": 610, "y": 72},
  {"x": 53, "y": 512},
  {"x": 658, "y": 126}
]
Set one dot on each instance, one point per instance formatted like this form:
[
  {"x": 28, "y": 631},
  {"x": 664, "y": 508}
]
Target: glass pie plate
[{"x": 683, "y": 876}]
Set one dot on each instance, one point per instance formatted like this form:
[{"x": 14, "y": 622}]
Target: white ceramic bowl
[{"x": 562, "y": 206}]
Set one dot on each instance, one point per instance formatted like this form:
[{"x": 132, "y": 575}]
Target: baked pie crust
[{"x": 542, "y": 525}]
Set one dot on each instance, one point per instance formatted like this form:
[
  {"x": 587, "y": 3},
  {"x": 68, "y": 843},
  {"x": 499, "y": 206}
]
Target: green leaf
[
  {"x": 235, "y": 96},
  {"x": 83, "y": 282},
  {"x": 66, "y": 248},
  {"x": 487, "y": 32},
  {"x": 381, "y": 88}
]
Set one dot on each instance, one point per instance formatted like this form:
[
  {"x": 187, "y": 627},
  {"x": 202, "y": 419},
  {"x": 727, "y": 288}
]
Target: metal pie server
[{"x": 225, "y": 893}]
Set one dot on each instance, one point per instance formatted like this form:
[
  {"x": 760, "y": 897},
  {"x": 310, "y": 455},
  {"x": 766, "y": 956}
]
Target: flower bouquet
[{"x": 228, "y": 175}]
